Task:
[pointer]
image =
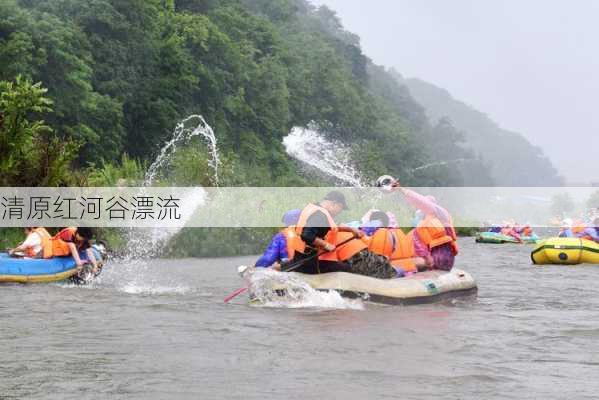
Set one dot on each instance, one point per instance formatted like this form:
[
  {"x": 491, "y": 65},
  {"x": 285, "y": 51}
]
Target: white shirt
[{"x": 34, "y": 241}]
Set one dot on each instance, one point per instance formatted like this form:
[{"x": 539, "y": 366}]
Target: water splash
[
  {"x": 192, "y": 126},
  {"x": 144, "y": 244},
  {"x": 153, "y": 289},
  {"x": 266, "y": 285},
  {"x": 441, "y": 164},
  {"x": 309, "y": 146}
]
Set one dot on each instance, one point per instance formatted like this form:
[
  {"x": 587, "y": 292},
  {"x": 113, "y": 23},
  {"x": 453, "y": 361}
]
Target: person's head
[
  {"x": 380, "y": 216},
  {"x": 443, "y": 257},
  {"x": 83, "y": 234},
  {"x": 291, "y": 217},
  {"x": 334, "y": 203},
  {"x": 29, "y": 229}
]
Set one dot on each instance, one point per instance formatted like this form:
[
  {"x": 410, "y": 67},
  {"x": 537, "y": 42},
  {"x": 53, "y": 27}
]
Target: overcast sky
[{"x": 531, "y": 65}]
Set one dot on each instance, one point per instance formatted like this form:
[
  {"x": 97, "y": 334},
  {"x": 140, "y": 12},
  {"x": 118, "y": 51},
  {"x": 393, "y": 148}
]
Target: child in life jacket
[{"x": 32, "y": 246}]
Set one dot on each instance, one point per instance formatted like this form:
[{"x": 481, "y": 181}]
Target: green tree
[{"x": 30, "y": 154}]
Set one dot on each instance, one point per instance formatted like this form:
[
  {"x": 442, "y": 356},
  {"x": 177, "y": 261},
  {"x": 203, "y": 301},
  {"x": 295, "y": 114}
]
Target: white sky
[{"x": 531, "y": 65}]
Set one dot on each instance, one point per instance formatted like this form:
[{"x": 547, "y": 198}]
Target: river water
[{"x": 161, "y": 331}]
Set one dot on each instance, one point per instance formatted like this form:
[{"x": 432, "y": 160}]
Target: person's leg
[
  {"x": 374, "y": 265},
  {"x": 331, "y": 266}
]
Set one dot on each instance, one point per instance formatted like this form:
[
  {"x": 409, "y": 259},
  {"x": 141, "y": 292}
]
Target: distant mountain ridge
[{"x": 513, "y": 160}]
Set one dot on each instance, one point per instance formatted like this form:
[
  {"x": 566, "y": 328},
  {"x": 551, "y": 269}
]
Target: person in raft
[
  {"x": 577, "y": 229},
  {"x": 278, "y": 251},
  {"x": 511, "y": 228},
  {"x": 434, "y": 239},
  {"x": 32, "y": 246},
  {"x": 72, "y": 240},
  {"x": 386, "y": 239},
  {"x": 321, "y": 246}
]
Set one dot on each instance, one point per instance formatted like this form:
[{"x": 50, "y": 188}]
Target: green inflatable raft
[{"x": 499, "y": 238}]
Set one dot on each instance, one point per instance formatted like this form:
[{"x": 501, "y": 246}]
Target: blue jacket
[{"x": 276, "y": 251}]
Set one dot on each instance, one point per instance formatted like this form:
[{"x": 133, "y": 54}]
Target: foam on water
[
  {"x": 152, "y": 289},
  {"x": 330, "y": 157},
  {"x": 265, "y": 285}
]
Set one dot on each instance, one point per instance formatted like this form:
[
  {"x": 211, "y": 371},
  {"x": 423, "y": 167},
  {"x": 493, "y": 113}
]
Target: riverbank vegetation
[{"x": 91, "y": 89}]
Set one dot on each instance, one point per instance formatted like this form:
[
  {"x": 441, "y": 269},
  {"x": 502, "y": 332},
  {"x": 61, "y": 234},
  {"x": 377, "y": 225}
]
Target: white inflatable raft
[{"x": 420, "y": 288}]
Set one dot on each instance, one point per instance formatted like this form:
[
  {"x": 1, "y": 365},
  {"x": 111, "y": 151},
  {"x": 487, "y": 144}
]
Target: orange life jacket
[
  {"x": 298, "y": 245},
  {"x": 403, "y": 253},
  {"x": 290, "y": 238},
  {"x": 396, "y": 246},
  {"x": 347, "y": 250},
  {"x": 578, "y": 227},
  {"x": 433, "y": 233},
  {"x": 579, "y": 231},
  {"x": 527, "y": 231},
  {"x": 60, "y": 248},
  {"x": 45, "y": 242},
  {"x": 382, "y": 242}
]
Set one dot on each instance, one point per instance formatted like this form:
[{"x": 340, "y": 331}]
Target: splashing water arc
[
  {"x": 332, "y": 158},
  {"x": 194, "y": 125},
  {"x": 149, "y": 243}
]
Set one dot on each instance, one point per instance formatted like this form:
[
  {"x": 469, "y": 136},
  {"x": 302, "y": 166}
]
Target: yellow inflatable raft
[{"x": 566, "y": 251}]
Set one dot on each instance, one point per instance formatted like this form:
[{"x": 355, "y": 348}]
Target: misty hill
[
  {"x": 513, "y": 160},
  {"x": 122, "y": 74}
]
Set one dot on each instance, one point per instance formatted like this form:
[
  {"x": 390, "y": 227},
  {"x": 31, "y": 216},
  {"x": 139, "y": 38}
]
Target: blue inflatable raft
[{"x": 28, "y": 270}]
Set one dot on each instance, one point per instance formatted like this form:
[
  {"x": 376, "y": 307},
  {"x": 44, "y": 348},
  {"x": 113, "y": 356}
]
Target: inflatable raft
[
  {"x": 420, "y": 288},
  {"x": 30, "y": 270},
  {"x": 566, "y": 251},
  {"x": 499, "y": 238}
]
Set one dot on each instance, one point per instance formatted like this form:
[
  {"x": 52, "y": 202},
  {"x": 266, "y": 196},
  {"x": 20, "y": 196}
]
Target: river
[{"x": 161, "y": 331}]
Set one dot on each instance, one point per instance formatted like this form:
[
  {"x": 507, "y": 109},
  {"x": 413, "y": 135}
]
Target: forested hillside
[
  {"x": 120, "y": 74},
  {"x": 514, "y": 161}
]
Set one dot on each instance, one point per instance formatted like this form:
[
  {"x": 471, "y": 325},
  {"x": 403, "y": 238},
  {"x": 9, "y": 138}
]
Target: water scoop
[{"x": 386, "y": 183}]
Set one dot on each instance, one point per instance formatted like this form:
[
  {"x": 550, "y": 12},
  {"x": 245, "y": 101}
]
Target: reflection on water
[{"x": 532, "y": 333}]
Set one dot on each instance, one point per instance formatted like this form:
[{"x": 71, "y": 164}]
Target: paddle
[{"x": 289, "y": 268}]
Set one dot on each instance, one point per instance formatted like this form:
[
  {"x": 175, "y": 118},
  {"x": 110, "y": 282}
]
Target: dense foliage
[
  {"x": 30, "y": 153},
  {"x": 92, "y": 88},
  {"x": 121, "y": 74}
]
